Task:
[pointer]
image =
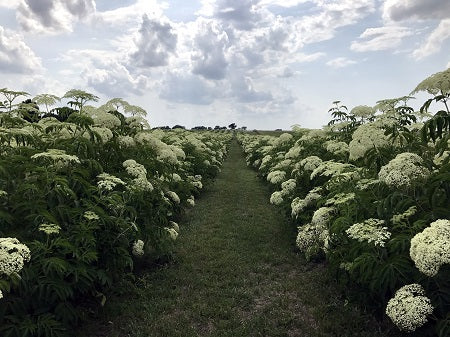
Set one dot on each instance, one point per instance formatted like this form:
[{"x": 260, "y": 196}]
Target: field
[{"x": 110, "y": 228}]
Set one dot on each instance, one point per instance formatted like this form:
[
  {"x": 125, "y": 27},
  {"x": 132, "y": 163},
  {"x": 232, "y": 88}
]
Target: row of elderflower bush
[
  {"x": 86, "y": 193},
  {"x": 370, "y": 194}
]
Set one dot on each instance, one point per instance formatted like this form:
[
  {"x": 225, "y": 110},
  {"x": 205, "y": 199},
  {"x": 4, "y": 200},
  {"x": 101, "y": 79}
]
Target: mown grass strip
[{"x": 237, "y": 273}]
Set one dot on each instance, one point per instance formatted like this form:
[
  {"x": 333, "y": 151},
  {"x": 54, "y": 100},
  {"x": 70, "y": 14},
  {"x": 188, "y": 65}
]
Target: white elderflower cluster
[
  {"x": 401, "y": 218},
  {"x": 365, "y": 184},
  {"x": 138, "y": 248},
  {"x": 430, "y": 249},
  {"x": 138, "y": 171},
  {"x": 363, "y": 111},
  {"x": 191, "y": 201},
  {"x": 322, "y": 216},
  {"x": 340, "y": 199},
  {"x": 330, "y": 168},
  {"x": 49, "y": 228},
  {"x": 13, "y": 255},
  {"x": 3, "y": 193},
  {"x": 173, "y": 234},
  {"x": 409, "y": 308},
  {"x": 336, "y": 148},
  {"x": 276, "y": 177},
  {"x": 294, "y": 152},
  {"x": 282, "y": 139},
  {"x": 104, "y": 133},
  {"x": 57, "y": 156},
  {"x": 107, "y": 182},
  {"x": 311, "y": 238},
  {"x": 438, "y": 83},
  {"x": 310, "y": 163},
  {"x": 283, "y": 165},
  {"x": 403, "y": 171},
  {"x": 175, "y": 226},
  {"x": 288, "y": 186},
  {"x": 173, "y": 196},
  {"x": 105, "y": 119},
  {"x": 313, "y": 135},
  {"x": 89, "y": 215},
  {"x": 266, "y": 159},
  {"x": 370, "y": 230},
  {"x": 439, "y": 159},
  {"x": 276, "y": 198},
  {"x": 298, "y": 204},
  {"x": 126, "y": 141},
  {"x": 367, "y": 136}
]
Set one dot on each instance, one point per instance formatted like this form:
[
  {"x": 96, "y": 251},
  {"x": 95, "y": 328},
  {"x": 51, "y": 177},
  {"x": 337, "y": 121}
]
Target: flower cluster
[
  {"x": 340, "y": 199},
  {"x": 173, "y": 196},
  {"x": 276, "y": 198},
  {"x": 310, "y": 163},
  {"x": 409, "y": 308},
  {"x": 191, "y": 201},
  {"x": 57, "y": 156},
  {"x": 276, "y": 177},
  {"x": 311, "y": 238},
  {"x": 298, "y": 204},
  {"x": 173, "y": 234},
  {"x": 13, "y": 255},
  {"x": 107, "y": 182},
  {"x": 370, "y": 230},
  {"x": 49, "y": 228},
  {"x": 138, "y": 171},
  {"x": 366, "y": 137},
  {"x": 403, "y": 171},
  {"x": 138, "y": 248},
  {"x": 430, "y": 249},
  {"x": 337, "y": 148}
]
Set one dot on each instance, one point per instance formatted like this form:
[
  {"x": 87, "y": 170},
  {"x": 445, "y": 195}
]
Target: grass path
[{"x": 237, "y": 273}]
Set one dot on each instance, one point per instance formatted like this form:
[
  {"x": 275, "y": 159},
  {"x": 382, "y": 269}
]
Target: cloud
[
  {"x": 208, "y": 57},
  {"x": 15, "y": 56},
  {"x": 155, "y": 43},
  {"x": 331, "y": 16},
  {"x": 381, "y": 38},
  {"x": 434, "y": 41},
  {"x": 399, "y": 10},
  {"x": 340, "y": 62},
  {"x": 243, "y": 90},
  {"x": 10, "y": 3},
  {"x": 53, "y": 16},
  {"x": 182, "y": 87},
  {"x": 104, "y": 71},
  {"x": 240, "y": 14}
]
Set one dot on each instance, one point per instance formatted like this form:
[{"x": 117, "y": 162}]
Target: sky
[{"x": 264, "y": 64}]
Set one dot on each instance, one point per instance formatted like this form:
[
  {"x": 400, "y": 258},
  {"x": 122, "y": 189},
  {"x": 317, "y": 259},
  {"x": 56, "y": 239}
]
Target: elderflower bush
[
  {"x": 89, "y": 191},
  {"x": 371, "y": 198}
]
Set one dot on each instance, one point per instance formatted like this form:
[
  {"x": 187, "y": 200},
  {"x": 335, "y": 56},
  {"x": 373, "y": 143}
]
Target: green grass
[{"x": 237, "y": 273}]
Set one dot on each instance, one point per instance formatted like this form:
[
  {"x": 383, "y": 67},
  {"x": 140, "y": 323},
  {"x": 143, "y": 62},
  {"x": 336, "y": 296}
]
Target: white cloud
[
  {"x": 104, "y": 71},
  {"x": 208, "y": 55},
  {"x": 181, "y": 87},
  {"x": 434, "y": 41},
  {"x": 340, "y": 62},
  {"x": 53, "y": 16},
  {"x": 331, "y": 16},
  {"x": 399, "y": 10},
  {"x": 282, "y": 3},
  {"x": 155, "y": 43},
  {"x": 10, "y": 3},
  {"x": 132, "y": 15},
  {"x": 16, "y": 57},
  {"x": 381, "y": 38}
]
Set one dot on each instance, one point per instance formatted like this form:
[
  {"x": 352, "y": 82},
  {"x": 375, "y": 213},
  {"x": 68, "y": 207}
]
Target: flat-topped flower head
[
  {"x": 49, "y": 228},
  {"x": 430, "y": 249},
  {"x": 56, "y": 156},
  {"x": 403, "y": 171},
  {"x": 370, "y": 230},
  {"x": 13, "y": 255},
  {"x": 409, "y": 308},
  {"x": 138, "y": 248},
  {"x": 276, "y": 177},
  {"x": 107, "y": 181}
]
